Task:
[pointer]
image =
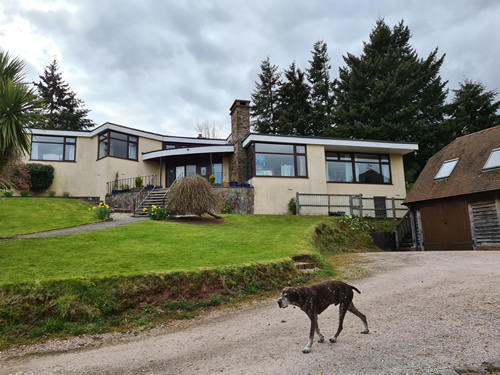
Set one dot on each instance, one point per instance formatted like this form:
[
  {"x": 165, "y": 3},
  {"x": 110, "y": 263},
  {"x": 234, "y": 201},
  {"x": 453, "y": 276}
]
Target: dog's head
[{"x": 289, "y": 296}]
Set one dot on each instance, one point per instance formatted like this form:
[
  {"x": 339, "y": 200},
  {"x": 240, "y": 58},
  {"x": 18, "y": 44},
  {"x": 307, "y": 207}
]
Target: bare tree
[{"x": 208, "y": 129}]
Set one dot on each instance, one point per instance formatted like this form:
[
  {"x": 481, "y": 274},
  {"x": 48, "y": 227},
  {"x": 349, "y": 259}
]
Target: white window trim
[
  {"x": 486, "y": 167},
  {"x": 444, "y": 177}
]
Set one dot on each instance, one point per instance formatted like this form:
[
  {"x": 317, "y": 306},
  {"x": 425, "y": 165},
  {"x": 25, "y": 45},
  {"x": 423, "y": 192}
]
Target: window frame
[
  {"x": 108, "y": 139},
  {"x": 353, "y": 162},
  {"x": 493, "y": 167},
  {"x": 64, "y": 143},
  {"x": 295, "y": 155},
  {"x": 445, "y": 177}
]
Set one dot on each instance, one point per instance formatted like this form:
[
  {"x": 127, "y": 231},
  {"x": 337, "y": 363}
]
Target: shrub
[
  {"x": 42, "y": 175},
  {"x": 292, "y": 206},
  {"x": 138, "y": 181},
  {"x": 157, "y": 213},
  {"x": 102, "y": 211},
  {"x": 8, "y": 193},
  {"x": 228, "y": 206},
  {"x": 211, "y": 179},
  {"x": 66, "y": 195},
  {"x": 25, "y": 193},
  {"x": 52, "y": 194}
]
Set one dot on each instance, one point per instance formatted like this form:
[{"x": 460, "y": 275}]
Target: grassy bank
[
  {"x": 155, "y": 247},
  {"x": 31, "y": 215},
  {"x": 149, "y": 272}
]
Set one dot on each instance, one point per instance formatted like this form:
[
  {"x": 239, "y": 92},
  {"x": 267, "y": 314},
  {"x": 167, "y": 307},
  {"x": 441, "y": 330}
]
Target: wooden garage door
[{"x": 446, "y": 226}]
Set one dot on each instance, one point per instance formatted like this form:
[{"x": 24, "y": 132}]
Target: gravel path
[
  {"x": 118, "y": 219},
  {"x": 426, "y": 311}
]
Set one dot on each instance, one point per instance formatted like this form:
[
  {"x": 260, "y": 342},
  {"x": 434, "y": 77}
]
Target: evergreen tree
[
  {"x": 294, "y": 107},
  {"x": 389, "y": 93},
  {"x": 318, "y": 76},
  {"x": 265, "y": 100},
  {"x": 473, "y": 108},
  {"x": 63, "y": 109}
]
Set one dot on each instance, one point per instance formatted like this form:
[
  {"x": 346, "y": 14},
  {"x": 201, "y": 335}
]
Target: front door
[{"x": 170, "y": 176}]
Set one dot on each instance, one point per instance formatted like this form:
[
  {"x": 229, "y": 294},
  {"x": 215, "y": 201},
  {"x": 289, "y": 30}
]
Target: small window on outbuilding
[
  {"x": 446, "y": 169},
  {"x": 493, "y": 161}
]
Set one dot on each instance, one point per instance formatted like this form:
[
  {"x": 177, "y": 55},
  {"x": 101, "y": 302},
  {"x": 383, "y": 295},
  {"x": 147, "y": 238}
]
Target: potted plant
[
  {"x": 211, "y": 179},
  {"x": 138, "y": 182},
  {"x": 233, "y": 183}
]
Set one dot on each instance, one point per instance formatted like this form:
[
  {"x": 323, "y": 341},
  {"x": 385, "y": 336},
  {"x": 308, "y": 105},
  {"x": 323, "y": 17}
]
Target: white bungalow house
[{"x": 90, "y": 163}]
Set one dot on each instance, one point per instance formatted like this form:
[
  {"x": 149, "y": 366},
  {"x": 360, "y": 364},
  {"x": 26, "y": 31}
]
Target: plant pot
[
  {"x": 225, "y": 184},
  {"x": 114, "y": 191},
  {"x": 150, "y": 187},
  {"x": 233, "y": 184},
  {"x": 246, "y": 185}
]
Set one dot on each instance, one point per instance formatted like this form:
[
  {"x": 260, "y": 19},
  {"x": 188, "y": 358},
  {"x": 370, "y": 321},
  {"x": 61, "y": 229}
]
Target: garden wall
[{"x": 242, "y": 196}]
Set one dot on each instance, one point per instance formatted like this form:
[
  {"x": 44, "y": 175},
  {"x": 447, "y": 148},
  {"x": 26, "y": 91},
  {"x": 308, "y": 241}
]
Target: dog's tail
[{"x": 355, "y": 289}]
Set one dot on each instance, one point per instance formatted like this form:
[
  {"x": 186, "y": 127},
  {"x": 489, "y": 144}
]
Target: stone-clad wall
[{"x": 243, "y": 196}]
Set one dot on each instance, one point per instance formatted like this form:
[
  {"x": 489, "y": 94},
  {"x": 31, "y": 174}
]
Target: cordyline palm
[{"x": 19, "y": 109}]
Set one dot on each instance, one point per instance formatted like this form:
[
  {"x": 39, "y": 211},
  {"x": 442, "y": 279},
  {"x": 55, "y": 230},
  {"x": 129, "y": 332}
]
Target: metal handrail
[{"x": 127, "y": 183}]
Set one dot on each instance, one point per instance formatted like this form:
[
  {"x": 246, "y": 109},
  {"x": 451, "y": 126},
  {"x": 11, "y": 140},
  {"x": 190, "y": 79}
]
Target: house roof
[
  {"x": 131, "y": 131},
  {"x": 334, "y": 144},
  {"x": 467, "y": 177}
]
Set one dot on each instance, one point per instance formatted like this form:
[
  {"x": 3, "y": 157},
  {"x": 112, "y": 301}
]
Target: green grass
[
  {"x": 155, "y": 247},
  {"x": 31, "y": 215}
]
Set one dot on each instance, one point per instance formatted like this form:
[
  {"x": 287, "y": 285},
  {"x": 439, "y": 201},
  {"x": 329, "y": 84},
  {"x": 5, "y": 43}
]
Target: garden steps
[{"x": 155, "y": 198}]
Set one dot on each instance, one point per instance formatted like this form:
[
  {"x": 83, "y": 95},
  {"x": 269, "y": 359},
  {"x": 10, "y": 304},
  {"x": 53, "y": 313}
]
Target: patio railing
[
  {"x": 343, "y": 204},
  {"x": 128, "y": 183}
]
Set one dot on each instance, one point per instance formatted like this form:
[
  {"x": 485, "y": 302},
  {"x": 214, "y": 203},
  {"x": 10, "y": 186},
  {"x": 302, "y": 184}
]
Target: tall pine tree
[
  {"x": 63, "y": 109},
  {"x": 321, "y": 97},
  {"x": 294, "y": 107},
  {"x": 473, "y": 108},
  {"x": 389, "y": 93},
  {"x": 265, "y": 99}
]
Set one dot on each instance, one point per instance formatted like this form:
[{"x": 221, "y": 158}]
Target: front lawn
[
  {"x": 31, "y": 215},
  {"x": 155, "y": 247}
]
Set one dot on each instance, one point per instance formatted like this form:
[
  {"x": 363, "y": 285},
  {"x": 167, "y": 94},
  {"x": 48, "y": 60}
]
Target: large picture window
[
  {"x": 118, "y": 145},
  {"x": 280, "y": 160},
  {"x": 360, "y": 168},
  {"x": 53, "y": 148}
]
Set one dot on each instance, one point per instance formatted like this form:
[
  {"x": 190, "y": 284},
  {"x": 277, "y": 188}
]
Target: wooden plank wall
[{"x": 485, "y": 216}]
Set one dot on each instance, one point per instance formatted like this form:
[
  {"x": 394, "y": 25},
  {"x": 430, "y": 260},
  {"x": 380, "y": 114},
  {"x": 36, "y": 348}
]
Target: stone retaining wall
[{"x": 242, "y": 196}]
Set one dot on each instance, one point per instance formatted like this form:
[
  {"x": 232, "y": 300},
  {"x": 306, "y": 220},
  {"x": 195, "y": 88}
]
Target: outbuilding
[{"x": 455, "y": 201}]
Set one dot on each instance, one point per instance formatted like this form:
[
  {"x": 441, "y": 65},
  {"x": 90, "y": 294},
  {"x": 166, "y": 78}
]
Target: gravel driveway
[{"x": 426, "y": 312}]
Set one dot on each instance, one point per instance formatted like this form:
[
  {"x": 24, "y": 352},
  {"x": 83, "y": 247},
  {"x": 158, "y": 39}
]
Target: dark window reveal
[
  {"x": 280, "y": 160},
  {"x": 118, "y": 145},
  {"x": 53, "y": 148},
  {"x": 360, "y": 168}
]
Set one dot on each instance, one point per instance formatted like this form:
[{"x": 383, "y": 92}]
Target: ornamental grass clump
[
  {"x": 193, "y": 195},
  {"x": 102, "y": 212}
]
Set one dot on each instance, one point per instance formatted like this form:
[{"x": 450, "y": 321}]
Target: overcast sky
[{"x": 162, "y": 66}]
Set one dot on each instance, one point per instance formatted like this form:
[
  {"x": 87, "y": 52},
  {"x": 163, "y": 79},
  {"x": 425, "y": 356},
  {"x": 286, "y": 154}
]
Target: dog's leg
[
  {"x": 342, "y": 311},
  {"x": 355, "y": 311},
  {"x": 321, "y": 337},
  {"x": 314, "y": 325}
]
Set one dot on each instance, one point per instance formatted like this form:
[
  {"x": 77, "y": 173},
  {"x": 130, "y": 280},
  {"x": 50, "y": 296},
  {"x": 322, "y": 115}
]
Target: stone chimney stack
[{"x": 240, "y": 129}]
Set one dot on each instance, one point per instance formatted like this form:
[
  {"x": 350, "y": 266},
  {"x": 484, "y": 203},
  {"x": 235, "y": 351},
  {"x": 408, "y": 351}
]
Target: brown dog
[{"x": 314, "y": 299}]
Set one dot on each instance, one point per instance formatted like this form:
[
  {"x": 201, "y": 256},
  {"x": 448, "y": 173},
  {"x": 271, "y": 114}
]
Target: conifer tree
[
  {"x": 321, "y": 97},
  {"x": 294, "y": 107},
  {"x": 473, "y": 108},
  {"x": 265, "y": 100},
  {"x": 389, "y": 93},
  {"x": 63, "y": 109}
]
